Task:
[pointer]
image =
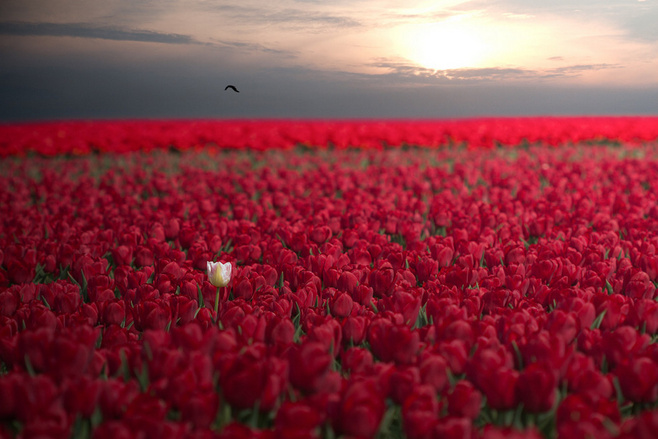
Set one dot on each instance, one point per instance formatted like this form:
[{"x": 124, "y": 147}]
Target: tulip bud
[{"x": 219, "y": 274}]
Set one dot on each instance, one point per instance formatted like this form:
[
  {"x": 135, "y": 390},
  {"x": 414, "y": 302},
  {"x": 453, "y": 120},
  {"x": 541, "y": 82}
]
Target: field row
[{"x": 84, "y": 137}]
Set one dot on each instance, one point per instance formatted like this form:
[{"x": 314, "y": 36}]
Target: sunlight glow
[{"x": 444, "y": 45}]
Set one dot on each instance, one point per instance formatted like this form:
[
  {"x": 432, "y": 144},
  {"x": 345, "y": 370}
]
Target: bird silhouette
[{"x": 232, "y": 87}]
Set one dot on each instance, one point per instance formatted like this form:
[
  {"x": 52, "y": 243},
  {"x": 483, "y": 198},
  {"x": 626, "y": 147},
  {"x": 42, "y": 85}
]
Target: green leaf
[
  {"x": 508, "y": 417},
  {"x": 28, "y": 366},
  {"x": 517, "y": 352},
  {"x": 123, "y": 368},
  {"x": 374, "y": 307},
  {"x": 620, "y": 394},
  {"x": 422, "y": 319},
  {"x": 296, "y": 321},
  {"x": 96, "y": 417},
  {"x": 99, "y": 340},
  {"x": 64, "y": 272},
  {"x": 281, "y": 239},
  {"x": 391, "y": 423},
  {"x": 81, "y": 428},
  {"x": 224, "y": 416},
  {"x": 253, "y": 419},
  {"x": 328, "y": 431},
  {"x": 452, "y": 379},
  {"x": 83, "y": 291},
  {"x": 143, "y": 377},
  {"x": 201, "y": 302},
  {"x": 597, "y": 322},
  {"x": 517, "y": 420},
  {"x": 83, "y": 287},
  {"x": 297, "y": 317}
]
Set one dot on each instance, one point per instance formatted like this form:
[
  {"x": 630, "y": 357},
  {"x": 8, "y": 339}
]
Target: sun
[{"x": 444, "y": 45}]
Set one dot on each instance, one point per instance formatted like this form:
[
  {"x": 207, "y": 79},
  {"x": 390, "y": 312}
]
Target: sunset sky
[{"x": 326, "y": 59}]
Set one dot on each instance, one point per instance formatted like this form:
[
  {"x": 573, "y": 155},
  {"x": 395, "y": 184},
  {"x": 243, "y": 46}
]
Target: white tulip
[{"x": 219, "y": 274}]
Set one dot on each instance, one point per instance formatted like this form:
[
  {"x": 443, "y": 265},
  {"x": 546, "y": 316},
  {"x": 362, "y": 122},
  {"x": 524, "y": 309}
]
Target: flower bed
[
  {"x": 84, "y": 137},
  {"x": 421, "y": 293}
]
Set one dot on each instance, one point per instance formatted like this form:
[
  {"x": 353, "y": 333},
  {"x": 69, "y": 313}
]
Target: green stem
[{"x": 217, "y": 303}]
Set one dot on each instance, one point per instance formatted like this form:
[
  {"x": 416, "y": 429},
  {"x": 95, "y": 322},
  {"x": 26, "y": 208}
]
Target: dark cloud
[{"x": 84, "y": 30}]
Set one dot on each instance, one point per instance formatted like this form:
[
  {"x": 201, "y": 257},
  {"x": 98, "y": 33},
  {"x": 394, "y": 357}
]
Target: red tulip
[
  {"x": 354, "y": 330},
  {"x": 309, "y": 366},
  {"x": 403, "y": 381},
  {"x": 464, "y": 400},
  {"x": 452, "y": 427},
  {"x": 499, "y": 387},
  {"x": 537, "y": 387},
  {"x": 341, "y": 305},
  {"x": 494, "y": 432},
  {"x": 361, "y": 409},
  {"x": 638, "y": 379},
  {"x": 391, "y": 342},
  {"x": 357, "y": 361},
  {"x": 297, "y": 420},
  {"x": 382, "y": 280}
]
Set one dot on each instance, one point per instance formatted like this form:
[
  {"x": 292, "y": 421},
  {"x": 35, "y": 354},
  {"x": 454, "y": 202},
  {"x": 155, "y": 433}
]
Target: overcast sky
[{"x": 65, "y": 59}]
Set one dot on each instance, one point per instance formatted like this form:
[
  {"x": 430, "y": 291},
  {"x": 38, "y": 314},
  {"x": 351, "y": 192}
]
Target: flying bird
[{"x": 232, "y": 87}]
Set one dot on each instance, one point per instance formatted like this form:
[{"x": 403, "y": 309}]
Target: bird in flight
[{"x": 232, "y": 87}]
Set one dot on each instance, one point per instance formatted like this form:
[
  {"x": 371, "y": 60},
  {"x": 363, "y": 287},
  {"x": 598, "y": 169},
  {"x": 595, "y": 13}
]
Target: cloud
[
  {"x": 401, "y": 18},
  {"x": 86, "y": 30},
  {"x": 314, "y": 18},
  {"x": 488, "y": 74},
  {"x": 577, "y": 69},
  {"x": 254, "y": 47},
  {"x": 290, "y": 17},
  {"x": 635, "y": 20},
  {"x": 401, "y": 71},
  {"x": 514, "y": 16},
  {"x": 409, "y": 72}
]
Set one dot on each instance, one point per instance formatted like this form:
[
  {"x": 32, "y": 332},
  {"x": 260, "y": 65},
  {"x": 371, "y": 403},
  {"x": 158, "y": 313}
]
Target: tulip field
[{"x": 458, "y": 279}]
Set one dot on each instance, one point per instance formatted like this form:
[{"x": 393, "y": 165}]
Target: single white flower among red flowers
[{"x": 219, "y": 274}]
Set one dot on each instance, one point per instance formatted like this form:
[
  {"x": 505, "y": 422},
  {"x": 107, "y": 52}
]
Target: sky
[{"x": 74, "y": 59}]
